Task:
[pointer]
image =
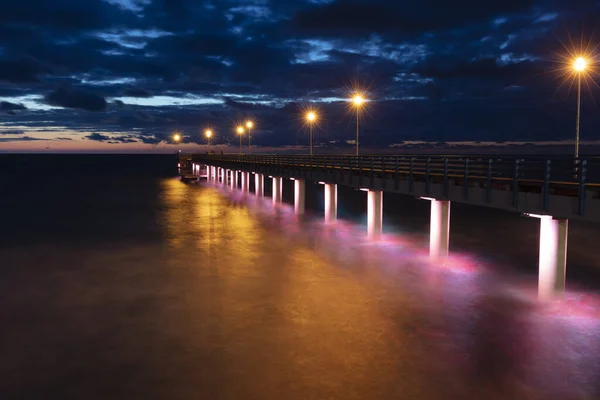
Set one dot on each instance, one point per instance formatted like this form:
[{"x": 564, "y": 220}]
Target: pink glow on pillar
[
  {"x": 259, "y": 184},
  {"x": 374, "y": 213},
  {"x": 330, "y": 202},
  {"x": 234, "y": 179},
  {"x": 245, "y": 182},
  {"x": 277, "y": 189},
  {"x": 439, "y": 231},
  {"x": 552, "y": 257},
  {"x": 299, "y": 196}
]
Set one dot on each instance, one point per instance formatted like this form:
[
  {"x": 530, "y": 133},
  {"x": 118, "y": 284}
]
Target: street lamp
[
  {"x": 249, "y": 125},
  {"x": 240, "y": 132},
  {"x": 176, "y": 137},
  {"x": 208, "y": 133},
  {"x": 357, "y": 101},
  {"x": 311, "y": 118},
  {"x": 579, "y": 65}
]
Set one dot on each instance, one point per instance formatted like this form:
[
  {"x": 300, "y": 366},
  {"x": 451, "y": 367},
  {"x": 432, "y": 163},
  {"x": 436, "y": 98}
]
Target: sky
[{"x": 124, "y": 75}]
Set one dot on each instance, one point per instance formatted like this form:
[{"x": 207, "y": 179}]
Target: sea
[{"x": 119, "y": 281}]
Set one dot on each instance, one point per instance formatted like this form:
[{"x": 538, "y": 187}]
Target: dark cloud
[
  {"x": 12, "y": 132},
  {"x": 22, "y": 70},
  {"x": 137, "y": 92},
  {"x": 8, "y": 106},
  {"x": 360, "y": 18},
  {"x": 98, "y": 137},
  {"x": 19, "y": 139},
  {"x": 73, "y": 98}
]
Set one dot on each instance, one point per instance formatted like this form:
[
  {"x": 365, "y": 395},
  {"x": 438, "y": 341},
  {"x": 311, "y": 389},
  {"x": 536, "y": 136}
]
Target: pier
[{"x": 552, "y": 190}]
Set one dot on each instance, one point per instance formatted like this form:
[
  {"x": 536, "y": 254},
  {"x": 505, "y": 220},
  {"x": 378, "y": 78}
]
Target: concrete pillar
[
  {"x": 234, "y": 179},
  {"x": 245, "y": 181},
  {"x": 299, "y": 196},
  {"x": 375, "y": 213},
  {"x": 330, "y": 202},
  {"x": 439, "y": 228},
  {"x": 277, "y": 189},
  {"x": 259, "y": 184},
  {"x": 553, "y": 257}
]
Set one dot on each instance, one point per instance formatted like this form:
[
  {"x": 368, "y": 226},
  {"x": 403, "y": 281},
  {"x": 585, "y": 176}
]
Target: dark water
[{"x": 118, "y": 281}]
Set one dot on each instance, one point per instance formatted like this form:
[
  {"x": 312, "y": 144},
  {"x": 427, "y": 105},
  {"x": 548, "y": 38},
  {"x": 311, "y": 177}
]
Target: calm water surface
[{"x": 134, "y": 285}]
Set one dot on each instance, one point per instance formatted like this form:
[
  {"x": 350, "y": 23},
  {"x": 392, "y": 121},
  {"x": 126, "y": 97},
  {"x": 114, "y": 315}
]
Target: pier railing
[{"x": 532, "y": 170}]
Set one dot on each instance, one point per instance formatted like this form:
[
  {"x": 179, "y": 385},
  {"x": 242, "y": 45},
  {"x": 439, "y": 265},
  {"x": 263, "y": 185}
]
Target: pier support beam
[
  {"x": 259, "y": 184},
  {"x": 277, "y": 189},
  {"x": 553, "y": 257},
  {"x": 439, "y": 228},
  {"x": 330, "y": 202},
  {"x": 234, "y": 179},
  {"x": 245, "y": 181},
  {"x": 374, "y": 213},
  {"x": 299, "y": 196}
]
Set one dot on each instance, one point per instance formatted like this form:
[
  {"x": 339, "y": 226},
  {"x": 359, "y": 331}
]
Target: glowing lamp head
[
  {"x": 208, "y": 133},
  {"x": 177, "y": 137},
  {"x": 580, "y": 64},
  {"x": 311, "y": 116},
  {"x": 249, "y": 124},
  {"x": 240, "y": 130},
  {"x": 358, "y": 100}
]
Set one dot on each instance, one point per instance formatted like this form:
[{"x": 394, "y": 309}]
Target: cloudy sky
[{"x": 123, "y": 75}]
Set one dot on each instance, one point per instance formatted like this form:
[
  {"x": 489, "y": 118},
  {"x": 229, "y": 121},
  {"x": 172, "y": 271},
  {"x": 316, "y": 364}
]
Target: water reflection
[{"x": 243, "y": 299}]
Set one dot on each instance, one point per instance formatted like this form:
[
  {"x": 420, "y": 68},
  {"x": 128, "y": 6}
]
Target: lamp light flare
[
  {"x": 208, "y": 133},
  {"x": 580, "y": 64},
  {"x": 240, "y": 130},
  {"x": 249, "y": 124},
  {"x": 177, "y": 137},
  {"x": 311, "y": 116},
  {"x": 358, "y": 100}
]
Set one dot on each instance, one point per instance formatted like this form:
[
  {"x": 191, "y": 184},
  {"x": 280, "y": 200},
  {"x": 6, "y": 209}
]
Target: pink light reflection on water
[{"x": 547, "y": 346}]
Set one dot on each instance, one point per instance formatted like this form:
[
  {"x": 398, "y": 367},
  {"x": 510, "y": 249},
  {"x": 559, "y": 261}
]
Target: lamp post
[
  {"x": 208, "y": 133},
  {"x": 357, "y": 101},
  {"x": 311, "y": 117},
  {"x": 579, "y": 66},
  {"x": 249, "y": 126},
  {"x": 240, "y": 132}
]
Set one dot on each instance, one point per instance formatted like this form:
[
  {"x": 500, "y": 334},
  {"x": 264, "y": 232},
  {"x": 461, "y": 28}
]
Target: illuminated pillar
[
  {"x": 439, "y": 228},
  {"x": 374, "y": 213},
  {"x": 245, "y": 181},
  {"x": 219, "y": 169},
  {"x": 299, "y": 195},
  {"x": 234, "y": 179},
  {"x": 277, "y": 189},
  {"x": 330, "y": 202},
  {"x": 259, "y": 184},
  {"x": 553, "y": 257}
]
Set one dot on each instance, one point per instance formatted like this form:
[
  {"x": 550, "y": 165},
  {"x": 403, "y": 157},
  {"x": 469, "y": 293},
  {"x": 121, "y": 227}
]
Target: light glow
[
  {"x": 358, "y": 100},
  {"x": 249, "y": 124},
  {"x": 240, "y": 130},
  {"x": 208, "y": 133},
  {"x": 176, "y": 137},
  {"x": 580, "y": 64},
  {"x": 311, "y": 116}
]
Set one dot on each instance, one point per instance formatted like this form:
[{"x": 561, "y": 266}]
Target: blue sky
[{"x": 126, "y": 74}]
